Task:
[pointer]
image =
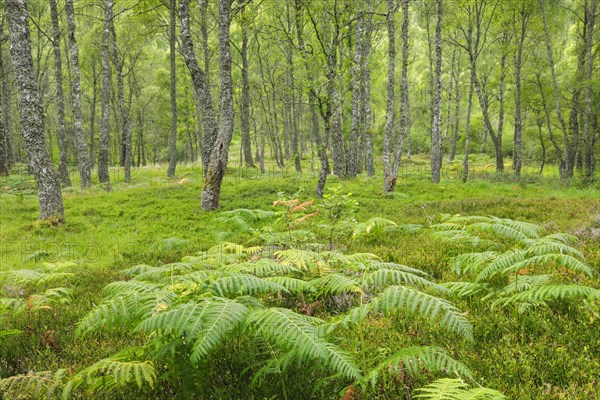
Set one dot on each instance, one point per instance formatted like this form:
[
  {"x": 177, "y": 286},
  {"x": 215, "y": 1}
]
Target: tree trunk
[
  {"x": 218, "y": 160},
  {"x": 314, "y": 113},
  {"x": 366, "y": 94},
  {"x": 5, "y": 98},
  {"x": 404, "y": 102},
  {"x": 31, "y": 113},
  {"x": 200, "y": 77},
  {"x": 353, "y": 153},
  {"x": 173, "y": 137},
  {"x": 61, "y": 134},
  {"x": 436, "y": 129},
  {"x": 125, "y": 124},
  {"x": 498, "y": 143},
  {"x": 245, "y": 109},
  {"x": 569, "y": 156},
  {"x": 83, "y": 159},
  {"x": 540, "y": 122},
  {"x": 449, "y": 104},
  {"x": 4, "y": 154},
  {"x": 93, "y": 115},
  {"x": 465, "y": 174},
  {"x": 389, "y": 178},
  {"x": 518, "y": 131},
  {"x": 588, "y": 135},
  {"x": 103, "y": 174},
  {"x": 454, "y": 141}
]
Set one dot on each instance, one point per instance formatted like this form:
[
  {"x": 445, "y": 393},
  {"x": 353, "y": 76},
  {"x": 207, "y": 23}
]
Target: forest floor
[{"x": 554, "y": 356}]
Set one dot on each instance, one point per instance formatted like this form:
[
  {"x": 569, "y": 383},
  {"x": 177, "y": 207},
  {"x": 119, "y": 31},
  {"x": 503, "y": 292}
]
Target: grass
[{"x": 547, "y": 354}]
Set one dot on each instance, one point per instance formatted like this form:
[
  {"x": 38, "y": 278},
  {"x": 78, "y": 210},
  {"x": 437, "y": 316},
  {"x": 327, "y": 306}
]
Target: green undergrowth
[{"x": 533, "y": 323}]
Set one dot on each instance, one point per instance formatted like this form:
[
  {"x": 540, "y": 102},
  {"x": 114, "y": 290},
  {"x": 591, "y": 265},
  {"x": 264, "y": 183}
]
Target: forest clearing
[{"x": 299, "y": 199}]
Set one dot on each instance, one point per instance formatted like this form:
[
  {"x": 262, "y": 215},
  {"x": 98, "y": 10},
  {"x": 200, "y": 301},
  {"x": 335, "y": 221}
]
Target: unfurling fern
[{"x": 456, "y": 389}]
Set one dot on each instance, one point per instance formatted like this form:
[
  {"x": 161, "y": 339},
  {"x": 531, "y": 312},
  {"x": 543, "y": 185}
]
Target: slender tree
[
  {"x": 245, "y": 108},
  {"x": 389, "y": 177},
  {"x": 103, "y": 144},
  {"x": 436, "y": 128},
  {"x": 119, "y": 61},
  {"x": 217, "y": 166},
  {"x": 61, "y": 134},
  {"x": 173, "y": 81},
  {"x": 589, "y": 136},
  {"x": 524, "y": 14},
  {"x": 200, "y": 77},
  {"x": 5, "y": 98},
  {"x": 31, "y": 114},
  {"x": 83, "y": 160},
  {"x": 4, "y": 151}
]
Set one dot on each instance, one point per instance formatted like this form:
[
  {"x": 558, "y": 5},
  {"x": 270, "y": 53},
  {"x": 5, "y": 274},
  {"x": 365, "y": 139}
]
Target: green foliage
[
  {"x": 456, "y": 389},
  {"x": 413, "y": 359},
  {"x": 506, "y": 275},
  {"x": 546, "y": 352}
]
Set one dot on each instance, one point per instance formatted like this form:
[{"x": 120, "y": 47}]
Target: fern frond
[
  {"x": 413, "y": 359},
  {"x": 122, "y": 310},
  {"x": 416, "y": 303},
  {"x": 221, "y": 317},
  {"x": 297, "y": 333},
  {"x": 244, "y": 284},
  {"x": 291, "y": 284},
  {"x": 305, "y": 260},
  {"x": 164, "y": 271},
  {"x": 520, "y": 283},
  {"x": 465, "y": 289},
  {"x": 121, "y": 369},
  {"x": 377, "y": 265},
  {"x": 182, "y": 319},
  {"x": 564, "y": 261},
  {"x": 462, "y": 237},
  {"x": 501, "y": 263},
  {"x": 263, "y": 267},
  {"x": 35, "y": 385},
  {"x": 54, "y": 277},
  {"x": 336, "y": 283},
  {"x": 527, "y": 228},
  {"x": 498, "y": 230},
  {"x": 545, "y": 293},
  {"x": 50, "y": 297},
  {"x": 471, "y": 262},
  {"x": 456, "y": 389},
  {"x": 137, "y": 270},
  {"x": 565, "y": 238},
  {"x": 544, "y": 246},
  {"x": 120, "y": 287},
  {"x": 355, "y": 315},
  {"x": 446, "y": 226},
  {"x": 386, "y": 277},
  {"x": 364, "y": 228}
]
